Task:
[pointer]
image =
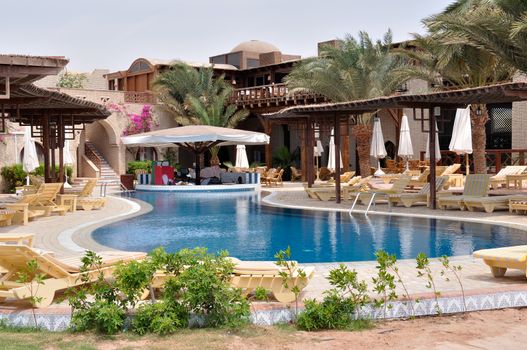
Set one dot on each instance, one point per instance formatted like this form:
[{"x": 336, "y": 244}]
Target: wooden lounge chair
[
  {"x": 363, "y": 185},
  {"x": 409, "y": 199},
  {"x": 420, "y": 180},
  {"x": 398, "y": 187},
  {"x": 295, "y": 174},
  {"x": 249, "y": 275},
  {"x": 328, "y": 192},
  {"x": 389, "y": 178},
  {"x": 6, "y": 217},
  {"x": 518, "y": 204},
  {"x": 454, "y": 179},
  {"x": 501, "y": 259},
  {"x": 45, "y": 199},
  {"x": 489, "y": 204},
  {"x": 501, "y": 177},
  {"x": 59, "y": 274},
  {"x": 476, "y": 186},
  {"x": 17, "y": 238},
  {"x": 22, "y": 212},
  {"x": 85, "y": 201},
  {"x": 266, "y": 177},
  {"x": 275, "y": 179}
]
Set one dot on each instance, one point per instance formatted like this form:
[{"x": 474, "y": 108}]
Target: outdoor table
[
  {"x": 517, "y": 179},
  {"x": 68, "y": 199}
]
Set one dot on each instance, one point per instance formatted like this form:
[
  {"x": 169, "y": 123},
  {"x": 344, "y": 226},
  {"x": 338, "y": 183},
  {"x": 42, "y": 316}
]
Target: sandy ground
[{"x": 500, "y": 329}]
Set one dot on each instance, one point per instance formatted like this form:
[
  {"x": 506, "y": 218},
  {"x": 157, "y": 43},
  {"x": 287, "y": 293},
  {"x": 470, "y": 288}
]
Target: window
[
  {"x": 253, "y": 63},
  {"x": 234, "y": 59},
  {"x": 499, "y": 127},
  {"x": 139, "y": 66},
  {"x": 218, "y": 59}
]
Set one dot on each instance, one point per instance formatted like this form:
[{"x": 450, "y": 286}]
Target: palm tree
[
  {"x": 434, "y": 59},
  {"x": 497, "y": 26},
  {"x": 355, "y": 69},
  {"x": 195, "y": 97}
]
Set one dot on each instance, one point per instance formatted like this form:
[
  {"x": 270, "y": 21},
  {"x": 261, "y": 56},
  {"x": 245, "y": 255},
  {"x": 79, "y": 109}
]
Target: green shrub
[
  {"x": 205, "y": 290},
  {"x": 261, "y": 294},
  {"x": 14, "y": 175},
  {"x": 139, "y": 165},
  {"x": 199, "y": 284},
  {"x": 103, "y": 316},
  {"x": 161, "y": 318},
  {"x": 40, "y": 170},
  {"x": 333, "y": 312},
  {"x": 341, "y": 306},
  {"x": 106, "y": 311}
]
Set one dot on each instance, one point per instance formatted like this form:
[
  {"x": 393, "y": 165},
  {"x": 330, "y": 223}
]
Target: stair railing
[{"x": 92, "y": 156}]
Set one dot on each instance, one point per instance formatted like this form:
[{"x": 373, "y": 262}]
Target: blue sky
[{"x": 112, "y": 33}]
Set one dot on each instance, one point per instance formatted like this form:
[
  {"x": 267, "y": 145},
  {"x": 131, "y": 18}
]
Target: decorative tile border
[
  {"x": 199, "y": 189},
  {"x": 59, "y": 319},
  {"x": 406, "y": 309}
]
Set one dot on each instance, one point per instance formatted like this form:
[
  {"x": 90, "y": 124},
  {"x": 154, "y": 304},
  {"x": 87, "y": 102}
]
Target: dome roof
[{"x": 255, "y": 46}]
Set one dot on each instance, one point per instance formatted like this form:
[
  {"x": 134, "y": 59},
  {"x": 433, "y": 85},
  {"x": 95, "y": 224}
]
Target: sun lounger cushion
[{"x": 513, "y": 254}]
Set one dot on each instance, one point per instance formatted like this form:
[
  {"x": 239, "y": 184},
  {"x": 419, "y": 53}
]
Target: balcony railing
[
  {"x": 496, "y": 158},
  {"x": 139, "y": 97},
  {"x": 269, "y": 94}
]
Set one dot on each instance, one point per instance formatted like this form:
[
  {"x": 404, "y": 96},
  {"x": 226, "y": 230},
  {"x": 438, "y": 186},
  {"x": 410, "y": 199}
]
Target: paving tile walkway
[{"x": 67, "y": 235}]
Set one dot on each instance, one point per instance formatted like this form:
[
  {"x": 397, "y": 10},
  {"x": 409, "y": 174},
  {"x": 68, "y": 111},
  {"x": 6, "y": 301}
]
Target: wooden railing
[
  {"x": 269, "y": 94},
  {"x": 92, "y": 156},
  {"x": 496, "y": 158},
  {"x": 139, "y": 97}
]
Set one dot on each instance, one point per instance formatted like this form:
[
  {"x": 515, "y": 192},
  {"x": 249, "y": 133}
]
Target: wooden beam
[
  {"x": 336, "y": 125},
  {"x": 7, "y": 71},
  {"x": 431, "y": 145}
]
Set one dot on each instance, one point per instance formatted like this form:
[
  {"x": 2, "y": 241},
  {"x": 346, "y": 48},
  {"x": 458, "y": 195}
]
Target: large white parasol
[
  {"x": 30, "y": 160},
  {"x": 67, "y": 160},
  {"x": 241, "y": 157},
  {"x": 197, "y": 139},
  {"x": 405, "y": 150},
  {"x": 437, "y": 149},
  {"x": 377, "y": 149},
  {"x": 331, "y": 154},
  {"x": 461, "y": 141}
]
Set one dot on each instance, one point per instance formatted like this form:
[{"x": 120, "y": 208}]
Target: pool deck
[
  {"x": 70, "y": 235},
  {"x": 476, "y": 277}
]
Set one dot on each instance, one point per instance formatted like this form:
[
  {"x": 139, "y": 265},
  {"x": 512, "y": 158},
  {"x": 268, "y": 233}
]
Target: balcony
[
  {"x": 139, "y": 97},
  {"x": 274, "y": 95}
]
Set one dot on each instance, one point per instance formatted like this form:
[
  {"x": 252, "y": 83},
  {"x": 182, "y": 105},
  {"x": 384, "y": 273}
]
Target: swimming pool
[{"x": 250, "y": 231}]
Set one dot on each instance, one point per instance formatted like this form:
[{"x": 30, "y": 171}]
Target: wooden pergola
[
  {"x": 337, "y": 114},
  {"x": 53, "y": 116}
]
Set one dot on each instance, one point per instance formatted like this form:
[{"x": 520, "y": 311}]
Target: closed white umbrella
[
  {"x": 331, "y": 153},
  {"x": 405, "y": 141},
  {"x": 317, "y": 152},
  {"x": 241, "y": 157},
  {"x": 30, "y": 160},
  {"x": 437, "y": 149},
  {"x": 377, "y": 149},
  {"x": 68, "y": 160},
  {"x": 461, "y": 142}
]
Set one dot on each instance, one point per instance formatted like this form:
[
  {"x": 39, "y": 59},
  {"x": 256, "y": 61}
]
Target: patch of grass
[{"x": 361, "y": 325}]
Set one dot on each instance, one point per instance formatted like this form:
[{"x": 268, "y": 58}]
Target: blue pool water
[{"x": 250, "y": 231}]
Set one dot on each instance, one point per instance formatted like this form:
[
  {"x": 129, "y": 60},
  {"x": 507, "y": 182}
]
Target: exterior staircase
[{"x": 108, "y": 176}]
